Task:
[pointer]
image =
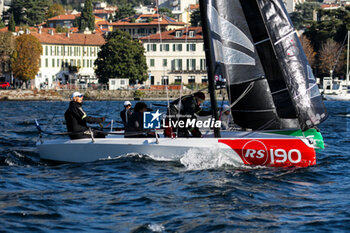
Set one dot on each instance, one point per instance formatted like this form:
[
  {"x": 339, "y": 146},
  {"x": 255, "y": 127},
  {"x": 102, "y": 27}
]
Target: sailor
[
  {"x": 189, "y": 106},
  {"x": 126, "y": 113},
  {"x": 226, "y": 117},
  {"x": 76, "y": 119},
  {"x": 134, "y": 127}
]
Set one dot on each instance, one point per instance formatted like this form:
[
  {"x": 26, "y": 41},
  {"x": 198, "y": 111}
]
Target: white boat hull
[
  {"x": 243, "y": 148},
  {"x": 337, "y": 97}
]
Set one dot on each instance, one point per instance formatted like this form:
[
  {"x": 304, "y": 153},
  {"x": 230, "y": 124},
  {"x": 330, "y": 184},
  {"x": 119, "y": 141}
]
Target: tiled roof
[
  {"x": 142, "y": 20},
  {"x": 101, "y": 11},
  {"x": 171, "y": 35},
  {"x": 194, "y": 6},
  {"x": 68, "y": 17},
  {"x": 325, "y": 6},
  {"x": 73, "y": 39}
]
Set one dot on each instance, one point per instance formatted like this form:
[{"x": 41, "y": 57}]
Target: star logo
[{"x": 155, "y": 115}]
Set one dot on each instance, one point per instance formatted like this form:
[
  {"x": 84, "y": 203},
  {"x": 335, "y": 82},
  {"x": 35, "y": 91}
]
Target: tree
[
  {"x": 12, "y": 24},
  {"x": 2, "y": 25},
  {"x": 7, "y": 46},
  {"x": 329, "y": 53},
  {"x": 121, "y": 57},
  {"x": 308, "y": 49},
  {"x": 26, "y": 56},
  {"x": 303, "y": 14},
  {"x": 124, "y": 11},
  {"x": 166, "y": 11},
  {"x": 55, "y": 10},
  {"x": 29, "y": 12},
  {"x": 87, "y": 18},
  {"x": 196, "y": 18}
]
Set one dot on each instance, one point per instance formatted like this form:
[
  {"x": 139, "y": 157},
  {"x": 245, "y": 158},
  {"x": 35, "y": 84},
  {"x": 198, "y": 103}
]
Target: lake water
[{"x": 137, "y": 194}]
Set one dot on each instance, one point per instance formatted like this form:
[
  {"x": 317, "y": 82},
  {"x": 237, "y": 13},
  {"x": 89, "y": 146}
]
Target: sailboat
[
  {"x": 338, "y": 90},
  {"x": 252, "y": 45}
]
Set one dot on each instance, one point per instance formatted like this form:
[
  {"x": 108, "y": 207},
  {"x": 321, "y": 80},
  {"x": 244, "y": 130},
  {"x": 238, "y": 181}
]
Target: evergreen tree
[
  {"x": 121, "y": 57},
  {"x": 196, "y": 18},
  {"x": 2, "y": 25},
  {"x": 124, "y": 11},
  {"x": 12, "y": 24},
  {"x": 166, "y": 11},
  {"x": 87, "y": 18},
  {"x": 27, "y": 12}
]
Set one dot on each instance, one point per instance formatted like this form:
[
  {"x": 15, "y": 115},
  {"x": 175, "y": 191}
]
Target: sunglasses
[{"x": 80, "y": 96}]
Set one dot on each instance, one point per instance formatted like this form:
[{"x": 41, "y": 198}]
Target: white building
[
  {"x": 176, "y": 56},
  {"x": 180, "y": 8},
  {"x": 118, "y": 83},
  {"x": 67, "y": 58},
  {"x": 290, "y": 4}
]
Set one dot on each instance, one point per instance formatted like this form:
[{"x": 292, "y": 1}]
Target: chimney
[
  {"x": 51, "y": 32},
  {"x": 27, "y": 31},
  {"x": 67, "y": 34},
  {"x": 39, "y": 29}
]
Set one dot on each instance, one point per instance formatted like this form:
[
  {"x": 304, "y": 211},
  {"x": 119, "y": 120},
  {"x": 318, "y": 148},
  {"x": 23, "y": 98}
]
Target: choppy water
[{"x": 137, "y": 194}]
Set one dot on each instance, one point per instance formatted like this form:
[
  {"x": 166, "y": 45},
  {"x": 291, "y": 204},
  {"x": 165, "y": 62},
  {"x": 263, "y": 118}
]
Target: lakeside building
[
  {"x": 180, "y": 8},
  {"x": 176, "y": 56},
  {"x": 144, "y": 25},
  {"x": 66, "y": 21},
  {"x": 67, "y": 58}
]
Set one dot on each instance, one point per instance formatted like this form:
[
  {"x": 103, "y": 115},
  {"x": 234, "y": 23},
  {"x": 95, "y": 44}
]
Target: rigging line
[
  {"x": 285, "y": 37},
  {"x": 340, "y": 50},
  {"x": 246, "y": 91}
]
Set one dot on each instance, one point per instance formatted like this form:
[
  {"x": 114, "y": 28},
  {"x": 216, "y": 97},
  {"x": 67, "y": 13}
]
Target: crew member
[
  {"x": 226, "y": 117},
  {"x": 189, "y": 107},
  {"x": 134, "y": 127},
  {"x": 126, "y": 113},
  {"x": 76, "y": 119}
]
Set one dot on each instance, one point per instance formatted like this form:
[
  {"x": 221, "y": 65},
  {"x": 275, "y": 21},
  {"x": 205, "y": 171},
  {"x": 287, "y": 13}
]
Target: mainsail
[{"x": 269, "y": 80}]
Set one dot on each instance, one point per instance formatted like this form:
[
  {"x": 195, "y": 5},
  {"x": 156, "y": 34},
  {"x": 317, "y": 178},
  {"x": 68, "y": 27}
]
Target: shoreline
[{"x": 94, "y": 95}]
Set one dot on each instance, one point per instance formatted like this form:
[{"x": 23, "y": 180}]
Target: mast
[
  {"x": 211, "y": 67},
  {"x": 347, "y": 64}
]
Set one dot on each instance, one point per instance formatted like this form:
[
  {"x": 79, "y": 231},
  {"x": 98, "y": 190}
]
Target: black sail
[
  {"x": 236, "y": 59},
  {"x": 258, "y": 51}
]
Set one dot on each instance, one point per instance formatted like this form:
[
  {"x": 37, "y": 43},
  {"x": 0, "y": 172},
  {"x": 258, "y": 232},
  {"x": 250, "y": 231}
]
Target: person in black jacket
[
  {"x": 186, "y": 108},
  {"x": 134, "y": 127},
  {"x": 76, "y": 119},
  {"x": 126, "y": 113}
]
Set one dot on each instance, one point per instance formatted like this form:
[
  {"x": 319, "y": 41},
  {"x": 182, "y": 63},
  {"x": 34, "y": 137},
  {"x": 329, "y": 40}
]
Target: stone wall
[{"x": 63, "y": 95}]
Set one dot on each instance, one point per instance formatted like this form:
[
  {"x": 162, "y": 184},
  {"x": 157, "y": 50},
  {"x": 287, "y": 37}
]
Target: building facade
[
  {"x": 144, "y": 25},
  {"x": 67, "y": 59},
  {"x": 180, "y": 8},
  {"x": 175, "y": 57}
]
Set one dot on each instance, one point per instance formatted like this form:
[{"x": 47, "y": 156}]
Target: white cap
[
  {"x": 126, "y": 103},
  {"x": 226, "y": 108},
  {"x": 77, "y": 93}
]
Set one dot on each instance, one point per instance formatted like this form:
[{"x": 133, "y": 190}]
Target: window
[
  {"x": 152, "y": 47},
  {"x": 122, "y": 82},
  {"x": 178, "y": 79},
  {"x": 191, "y": 64},
  {"x": 191, "y": 47},
  {"x": 203, "y": 64},
  {"x": 46, "y": 50},
  {"x": 191, "y": 79},
  {"x": 176, "y": 64},
  {"x": 83, "y": 62},
  {"x": 191, "y": 34},
  {"x": 164, "y": 47},
  {"x": 53, "y": 62},
  {"x": 46, "y": 62},
  {"x": 178, "y": 34},
  {"x": 165, "y": 80},
  {"x": 113, "y": 82},
  {"x": 165, "y": 62},
  {"x": 58, "y": 62},
  {"x": 151, "y": 62},
  {"x": 204, "y": 80},
  {"x": 177, "y": 47}
]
